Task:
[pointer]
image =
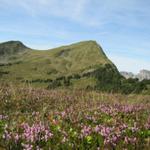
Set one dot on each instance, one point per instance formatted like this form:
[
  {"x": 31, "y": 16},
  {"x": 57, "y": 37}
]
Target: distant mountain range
[{"x": 143, "y": 74}]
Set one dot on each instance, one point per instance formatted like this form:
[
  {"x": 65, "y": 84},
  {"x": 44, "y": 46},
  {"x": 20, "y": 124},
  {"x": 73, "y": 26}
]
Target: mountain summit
[
  {"x": 77, "y": 60},
  {"x": 11, "y": 47}
]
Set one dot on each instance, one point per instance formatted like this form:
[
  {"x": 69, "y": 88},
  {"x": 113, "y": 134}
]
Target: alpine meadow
[{"x": 84, "y": 91}]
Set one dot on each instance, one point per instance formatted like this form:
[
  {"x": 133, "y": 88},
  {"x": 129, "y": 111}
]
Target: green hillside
[
  {"x": 10, "y": 49},
  {"x": 21, "y": 63}
]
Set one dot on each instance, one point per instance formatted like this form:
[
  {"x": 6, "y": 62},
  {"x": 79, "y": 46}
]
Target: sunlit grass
[{"x": 64, "y": 119}]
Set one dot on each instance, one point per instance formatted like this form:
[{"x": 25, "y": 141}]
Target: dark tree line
[
  {"x": 3, "y": 73},
  {"x": 10, "y": 64},
  {"x": 108, "y": 80},
  {"x": 38, "y": 80},
  {"x": 61, "y": 81}
]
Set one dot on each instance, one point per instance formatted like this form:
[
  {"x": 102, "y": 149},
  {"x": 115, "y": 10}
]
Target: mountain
[
  {"x": 127, "y": 75},
  {"x": 11, "y": 47},
  {"x": 78, "y": 62},
  {"x": 143, "y": 74}
]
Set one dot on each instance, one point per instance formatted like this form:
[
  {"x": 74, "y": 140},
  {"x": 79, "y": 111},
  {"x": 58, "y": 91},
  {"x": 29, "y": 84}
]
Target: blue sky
[{"x": 121, "y": 27}]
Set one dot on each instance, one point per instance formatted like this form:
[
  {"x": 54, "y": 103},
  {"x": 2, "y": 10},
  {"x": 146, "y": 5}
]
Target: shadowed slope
[{"x": 11, "y": 47}]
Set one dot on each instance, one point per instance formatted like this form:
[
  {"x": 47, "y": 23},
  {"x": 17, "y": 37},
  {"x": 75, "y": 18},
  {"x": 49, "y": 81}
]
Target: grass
[
  {"x": 66, "y": 60},
  {"x": 36, "y": 118},
  {"x": 72, "y": 119},
  {"x": 84, "y": 82}
]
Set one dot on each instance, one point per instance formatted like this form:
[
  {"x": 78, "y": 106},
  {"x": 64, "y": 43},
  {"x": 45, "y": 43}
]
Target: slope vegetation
[{"x": 82, "y": 65}]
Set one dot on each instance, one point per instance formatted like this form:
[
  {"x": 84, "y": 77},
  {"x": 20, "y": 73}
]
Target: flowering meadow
[{"x": 38, "y": 119}]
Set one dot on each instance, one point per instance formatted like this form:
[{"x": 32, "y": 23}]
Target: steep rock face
[
  {"x": 127, "y": 75},
  {"x": 143, "y": 74}
]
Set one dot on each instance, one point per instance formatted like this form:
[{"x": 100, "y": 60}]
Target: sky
[{"x": 121, "y": 27}]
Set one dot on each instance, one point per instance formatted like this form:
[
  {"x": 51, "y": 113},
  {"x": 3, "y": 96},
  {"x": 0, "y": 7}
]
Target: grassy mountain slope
[
  {"x": 19, "y": 63},
  {"x": 10, "y": 49}
]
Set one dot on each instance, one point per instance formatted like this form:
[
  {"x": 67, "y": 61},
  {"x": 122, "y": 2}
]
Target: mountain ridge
[
  {"x": 77, "y": 59},
  {"x": 82, "y": 65},
  {"x": 143, "y": 74},
  {"x": 83, "y": 48},
  {"x": 11, "y": 47}
]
